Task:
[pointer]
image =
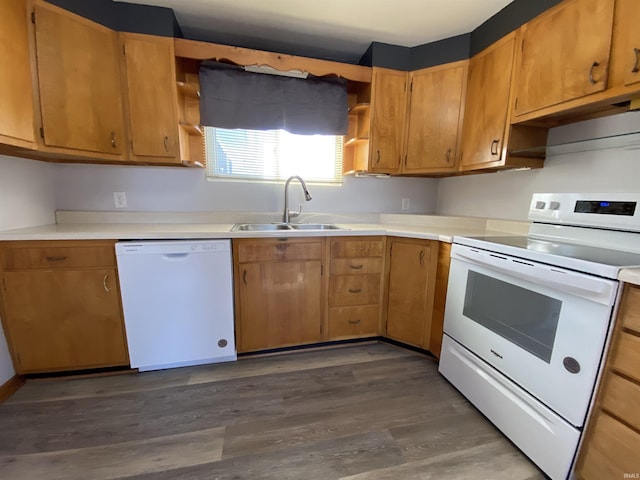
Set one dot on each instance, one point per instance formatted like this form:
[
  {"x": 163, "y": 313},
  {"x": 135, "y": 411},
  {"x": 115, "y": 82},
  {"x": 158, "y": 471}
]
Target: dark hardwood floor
[{"x": 369, "y": 411}]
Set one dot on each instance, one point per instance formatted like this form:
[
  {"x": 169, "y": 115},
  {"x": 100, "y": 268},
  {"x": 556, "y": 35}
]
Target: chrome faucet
[{"x": 287, "y": 215}]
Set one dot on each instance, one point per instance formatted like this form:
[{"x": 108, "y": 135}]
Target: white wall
[
  {"x": 91, "y": 187},
  {"x": 27, "y": 198},
  {"x": 507, "y": 194}
]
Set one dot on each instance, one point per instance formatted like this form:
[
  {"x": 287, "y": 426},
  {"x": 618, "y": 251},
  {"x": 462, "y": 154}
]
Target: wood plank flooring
[{"x": 369, "y": 411}]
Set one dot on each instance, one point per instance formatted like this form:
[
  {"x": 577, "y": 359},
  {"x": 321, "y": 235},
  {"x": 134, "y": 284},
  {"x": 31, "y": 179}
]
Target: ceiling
[{"x": 336, "y": 29}]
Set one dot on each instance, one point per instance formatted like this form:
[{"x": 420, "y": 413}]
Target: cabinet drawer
[
  {"x": 357, "y": 247},
  {"x": 631, "y": 309},
  {"x": 277, "y": 250},
  {"x": 348, "y": 290},
  {"x": 353, "y": 321},
  {"x": 59, "y": 257},
  {"x": 622, "y": 397},
  {"x": 612, "y": 450},
  {"x": 356, "y": 266},
  {"x": 627, "y": 356}
]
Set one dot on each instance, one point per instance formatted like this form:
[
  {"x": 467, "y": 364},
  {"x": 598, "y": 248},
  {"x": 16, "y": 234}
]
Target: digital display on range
[{"x": 606, "y": 208}]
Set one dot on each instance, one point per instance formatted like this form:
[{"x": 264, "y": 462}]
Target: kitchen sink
[
  {"x": 315, "y": 226},
  {"x": 271, "y": 227}
]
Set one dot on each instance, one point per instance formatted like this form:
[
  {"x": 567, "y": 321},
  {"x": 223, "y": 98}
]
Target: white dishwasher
[{"x": 177, "y": 298}]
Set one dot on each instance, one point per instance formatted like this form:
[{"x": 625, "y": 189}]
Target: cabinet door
[
  {"x": 280, "y": 304},
  {"x": 64, "y": 319},
  {"x": 410, "y": 301},
  {"x": 388, "y": 111},
  {"x": 79, "y": 80},
  {"x": 435, "y": 118},
  {"x": 564, "y": 54},
  {"x": 486, "y": 105},
  {"x": 629, "y": 13},
  {"x": 16, "y": 104},
  {"x": 151, "y": 95}
]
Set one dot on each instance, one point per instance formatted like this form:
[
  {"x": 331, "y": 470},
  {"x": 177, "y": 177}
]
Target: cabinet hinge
[
  {"x": 391, "y": 250},
  {"x": 124, "y": 49},
  {"x": 321, "y": 269},
  {"x": 33, "y": 16},
  {"x": 516, "y": 104},
  {"x": 42, "y": 133},
  {"x": 411, "y": 87}
]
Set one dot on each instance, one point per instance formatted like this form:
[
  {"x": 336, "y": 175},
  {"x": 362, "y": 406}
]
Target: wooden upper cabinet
[
  {"x": 151, "y": 96},
  {"x": 16, "y": 104},
  {"x": 564, "y": 54},
  {"x": 486, "y": 106},
  {"x": 628, "y": 15},
  {"x": 435, "y": 118},
  {"x": 79, "y": 83},
  {"x": 388, "y": 112}
]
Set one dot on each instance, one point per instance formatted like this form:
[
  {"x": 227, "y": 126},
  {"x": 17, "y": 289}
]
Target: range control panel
[{"x": 618, "y": 211}]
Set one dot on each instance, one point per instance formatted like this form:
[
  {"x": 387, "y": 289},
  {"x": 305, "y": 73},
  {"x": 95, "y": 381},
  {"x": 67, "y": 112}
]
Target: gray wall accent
[
  {"x": 387, "y": 56},
  {"x": 507, "y": 20},
  {"x": 126, "y": 17},
  {"x": 448, "y": 50}
]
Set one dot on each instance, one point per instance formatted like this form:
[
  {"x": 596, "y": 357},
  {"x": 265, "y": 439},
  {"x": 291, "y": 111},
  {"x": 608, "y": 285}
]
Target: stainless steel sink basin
[
  {"x": 259, "y": 227},
  {"x": 315, "y": 226},
  {"x": 271, "y": 227}
]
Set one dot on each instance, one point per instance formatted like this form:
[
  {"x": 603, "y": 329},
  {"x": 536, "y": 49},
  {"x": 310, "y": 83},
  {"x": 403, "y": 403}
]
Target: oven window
[{"x": 522, "y": 316}]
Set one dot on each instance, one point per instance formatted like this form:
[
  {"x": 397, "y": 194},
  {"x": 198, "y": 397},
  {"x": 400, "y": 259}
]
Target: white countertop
[
  {"x": 139, "y": 226},
  {"x": 630, "y": 275}
]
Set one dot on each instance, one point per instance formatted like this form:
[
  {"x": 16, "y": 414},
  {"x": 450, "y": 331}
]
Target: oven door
[{"x": 543, "y": 327}]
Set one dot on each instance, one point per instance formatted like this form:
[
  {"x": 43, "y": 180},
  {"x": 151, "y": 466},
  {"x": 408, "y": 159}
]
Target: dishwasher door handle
[{"x": 174, "y": 257}]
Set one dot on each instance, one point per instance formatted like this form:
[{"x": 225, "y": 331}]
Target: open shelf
[
  {"x": 360, "y": 107},
  {"x": 191, "y": 129},
  {"x": 189, "y": 90}
]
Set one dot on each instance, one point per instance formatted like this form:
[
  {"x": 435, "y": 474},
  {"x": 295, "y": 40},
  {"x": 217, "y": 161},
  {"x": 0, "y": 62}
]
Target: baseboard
[{"x": 10, "y": 387}]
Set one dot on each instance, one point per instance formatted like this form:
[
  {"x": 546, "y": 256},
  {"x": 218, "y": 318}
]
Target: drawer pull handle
[
  {"x": 104, "y": 283},
  {"x": 494, "y": 147},
  {"x": 591, "y": 79},
  {"x": 354, "y": 322},
  {"x": 356, "y": 267},
  {"x": 61, "y": 258},
  {"x": 355, "y": 290},
  {"x": 636, "y": 65}
]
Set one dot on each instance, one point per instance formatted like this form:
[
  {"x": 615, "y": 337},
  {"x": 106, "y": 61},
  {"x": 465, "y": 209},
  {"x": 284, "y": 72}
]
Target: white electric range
[{"x": 528, "y": 319}]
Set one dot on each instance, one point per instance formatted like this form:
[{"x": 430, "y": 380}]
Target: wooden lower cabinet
[
  {"x": 279, "y": 292},
  {"x": 355, "y": 287},
  {"x": 411, "y": 288},
  {"x": 612, "y": 435},
  {"x": 61, "y": 310}
]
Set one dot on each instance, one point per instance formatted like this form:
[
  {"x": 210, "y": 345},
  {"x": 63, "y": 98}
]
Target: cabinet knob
[
  {"x": 592, "y": 80},
  {"x": 636, "y": 64}
]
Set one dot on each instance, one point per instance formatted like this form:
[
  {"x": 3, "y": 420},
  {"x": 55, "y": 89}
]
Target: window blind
[{"x": 273, "y": 155}]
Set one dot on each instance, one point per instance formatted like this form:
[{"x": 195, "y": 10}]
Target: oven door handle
[{"x": 596, "y": 289}]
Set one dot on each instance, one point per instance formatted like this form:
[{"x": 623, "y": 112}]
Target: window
[{"x": 272, "y": 155}]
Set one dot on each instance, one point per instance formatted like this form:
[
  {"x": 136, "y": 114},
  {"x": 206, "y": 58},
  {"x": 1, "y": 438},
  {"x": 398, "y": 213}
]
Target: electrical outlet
[
  {"x": 120, "y": 199},
  {"x": 406, "y": 204}
]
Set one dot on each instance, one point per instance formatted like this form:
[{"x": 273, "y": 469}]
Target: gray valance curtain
[{"x": 233, "y": 98}]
